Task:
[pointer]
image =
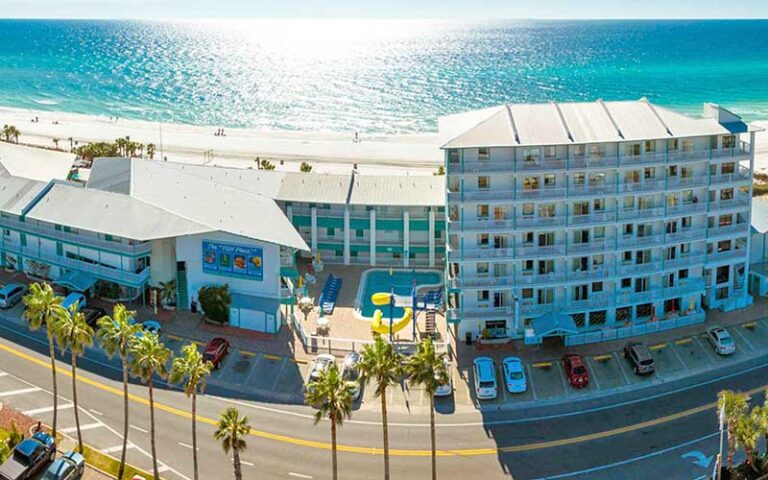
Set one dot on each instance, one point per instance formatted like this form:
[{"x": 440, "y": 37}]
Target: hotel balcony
[
  {"x": 738, "y": 202},
  {"x": 644, "y": 159},
  {"x": 32, "y": 227},
  {"x": 728, "y": 231},
  {"x": 593, "y": 162},
  {"x": 487, "y": 312},
  {"x": 480, "y": 166},
  {"x": 522, "y": 222},
  {"x": 693, "y": 258},
  {"x": 541, "y": 193},
  {"x": 741, "y": 175},
  {"x": 543, "y": 165},
  {"x": 688, "y": 182},
  {"x": 686, "y": 235},
  {"x": 592, "y": 218},
  {"x": 638, "y": 268},
  {"x": 576, "y": 191},
  {"x": 641, "y": 213},
  {"x": 643, "y": 186},
  {"x": 727, "y": 255},
  {"x": 596, "y": 245},
  {"x": 686, "y": 208},
  {"x": 629, "y": 241}
]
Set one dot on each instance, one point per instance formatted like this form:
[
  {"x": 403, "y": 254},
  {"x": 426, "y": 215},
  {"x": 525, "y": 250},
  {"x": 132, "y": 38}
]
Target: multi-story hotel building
[{"x": 596, "y": 220}]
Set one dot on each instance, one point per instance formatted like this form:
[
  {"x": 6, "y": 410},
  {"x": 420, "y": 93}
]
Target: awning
[
  {"x": 76, "y": 281},
  {"x": 553, "y": 324}
]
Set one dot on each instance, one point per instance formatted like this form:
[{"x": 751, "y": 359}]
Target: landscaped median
[{"x": 99, "y": 465}]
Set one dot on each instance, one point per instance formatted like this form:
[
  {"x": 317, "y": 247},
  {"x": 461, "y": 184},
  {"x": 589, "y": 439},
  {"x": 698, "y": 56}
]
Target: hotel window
[
  {"x": 531, "y": 155},
  {"x": 6, "y": 232},
  {"x": 673, "y": 200},
  {"x": 626, "y": 257},
  {"x": 599, "y": 233},
  {"x": 649, "y": 173},
  {"x": 641, "y": 285},
  {"x": 579, "y": 179},
  {"x": 484, "y": 182},
  {"x": 531, "y": 183},
  {"x": 642, "y": 257},
  {"x": 685, "y": 249},
  {"x": 547, "y": 210},
  {"x": 650, "y": 146},
  {"x": 597, "y": 151},
  {"x": 723, "y": 274},
  {"x": 581, "y": 208},
  {"x": 628, "y": 229},
  {"x": 671, "y": 227},
  {"x": 453, "y": 156},
  {"x": 682, "y": 274},
  {"x": 550, "y": 152},
  {"x": 729, "y": 141},
  {"x": 528, "y": 238},
  {"x": 724, "y": 246},
  {"x": 546, "y": 239},
  {"x": 581, "y": 264},
  {"x": 579, "y": 150},
  {"x": 597, "y": 179},
  {"x": 499, "y": 213},
  {"x": 597, "y": 261},
  {"x": 483, "y": 295},
  {"x": 688, "y": 145},
  {"x": 686, "y": 172},
  {"x": 546, "y": 296},
  {"x": 482, "y": 212},
  {"x": 686, "y": 222},
  {"x": 528, "y": 209},
  {"x": 599, "y": 204},
  {"x": 499, "y": 269},
  {"x": 633, "y": 149},
  {"x": 581, "y": 236},
  {"x": 482, "y": 269},
  {"x": 632, "y": 176},
  {"x": 645, "y": 203},
  {"x": 453, "y": 213},
  {"x": 672, "y": 171},
  {"x": 549, "y": 180},
  {"x": 483, "y": 153},
  {"x": 597, "y": 287},
  {"x": 528, "y": 267},
  {"x": 483, "y": 239},
  {"x": 727, "y": 168},
  {"x": 726, "y": 194},
  {"x": 580, "y": 292},
  {"x": 527, "y": 293},
  {"x": 499, "y": 300},
  {"x": 673, "y": 144},
  {"x": 499, "y": 241},
  {"x": 359, "y": 233},
  {"x": 626, "y": 283},
  {"x": 725, "y": 220},
  {"x": 645, "y": 230},
  {"x": 629, "y": 203}
]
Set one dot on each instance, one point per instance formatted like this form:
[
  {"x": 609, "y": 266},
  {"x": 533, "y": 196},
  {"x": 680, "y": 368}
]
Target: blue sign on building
[{"x": 233, "y": 260}]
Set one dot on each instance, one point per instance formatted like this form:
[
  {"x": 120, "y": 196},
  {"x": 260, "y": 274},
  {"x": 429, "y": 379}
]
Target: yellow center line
[{"x": 378, "y": 451}]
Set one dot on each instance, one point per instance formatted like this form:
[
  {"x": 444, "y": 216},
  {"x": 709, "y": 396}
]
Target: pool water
[{"x": 374, "y": 281}]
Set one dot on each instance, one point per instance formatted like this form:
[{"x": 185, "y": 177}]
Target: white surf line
[
  {"x": 89, "y": 426},
  {"x": 38, "y": 411},
  {"x": 138, "y": 429},
  {"x": 299, "y": 475},
  {"x": 21, "y": 391},
  {"x": 118, "y": 448},
  {"x": 182, "y": 444}
]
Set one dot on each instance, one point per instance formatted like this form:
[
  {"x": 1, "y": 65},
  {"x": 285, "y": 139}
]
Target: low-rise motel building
[{"x": 585, "y": 221}]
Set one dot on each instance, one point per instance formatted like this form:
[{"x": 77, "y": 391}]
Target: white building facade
[{"x": 597, "y": 220}]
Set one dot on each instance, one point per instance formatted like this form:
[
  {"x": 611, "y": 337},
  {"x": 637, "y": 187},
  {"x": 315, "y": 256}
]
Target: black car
[
  {"x": 640, "y": 357},
  {"x": 92, "y": 315}
]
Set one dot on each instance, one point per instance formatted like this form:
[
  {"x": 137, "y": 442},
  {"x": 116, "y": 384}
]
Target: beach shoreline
[{"x": 327, "y": 152}]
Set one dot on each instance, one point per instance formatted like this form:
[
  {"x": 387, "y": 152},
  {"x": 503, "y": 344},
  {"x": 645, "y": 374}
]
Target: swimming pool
[{"x": 379, "y": 280}]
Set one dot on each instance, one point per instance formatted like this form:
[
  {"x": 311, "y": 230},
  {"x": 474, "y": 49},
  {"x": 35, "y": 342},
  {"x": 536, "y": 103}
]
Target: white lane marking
[
  {"x": 21, "y": 391},
  {"x": 246, "y": 463},
  {"x": 2, "y": 374},
  {"x": 139, "y": 429},
  {"x": 162, "y": 468},
  {"x": 96, "y": 412},
  {"x": 117, "y": 448},
  {"x": 181, "y": 444},
  {"x": 89, "y": 426},
  {"x": 633, "y": 459},
  {"x": 743, "y": 337},
  {"x": 299, "y": 475},
  {"x": 38, "y": 411}
]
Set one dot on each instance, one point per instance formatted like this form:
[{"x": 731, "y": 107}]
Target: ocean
[{"x": 373, "y": 76}]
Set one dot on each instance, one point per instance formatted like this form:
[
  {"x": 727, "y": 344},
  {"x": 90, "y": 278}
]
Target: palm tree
[
  {"x": 191, "y": 369},
  {"x": 735, "y": 406},
  {"x": 115, "y": 335},
  {"x": 43, "y": 307},
  {"x": 151, "y": 151},
  {"x": 333, "y": 398},
  {"x": 746, "y": 432},
  {"x": 428, "y": 368},
  {"x": 13, "y": 132},
  {"x": 150, "y": 358},
  {"x": 382, "y": 363},
  {"x": 75, "y": 334},
  {"x": 231, "y": 432}
]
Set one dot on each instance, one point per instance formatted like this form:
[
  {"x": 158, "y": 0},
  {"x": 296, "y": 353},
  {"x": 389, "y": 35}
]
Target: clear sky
[{"x": 459, "y": 9}]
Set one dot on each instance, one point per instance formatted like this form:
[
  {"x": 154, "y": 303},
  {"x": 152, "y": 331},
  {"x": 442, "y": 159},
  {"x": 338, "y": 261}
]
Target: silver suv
[{"x": 640, "y": 358}]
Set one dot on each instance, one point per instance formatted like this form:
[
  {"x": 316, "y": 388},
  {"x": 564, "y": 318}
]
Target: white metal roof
[
  {"x": 112, "y": 174},
  {"x": 16, "y": 193},
  {"x": 401, "y": 190},
  {"x": 591, "y": 122},
  {"x": 35, "y": 163},
  {"x": 110, "y": 213}
]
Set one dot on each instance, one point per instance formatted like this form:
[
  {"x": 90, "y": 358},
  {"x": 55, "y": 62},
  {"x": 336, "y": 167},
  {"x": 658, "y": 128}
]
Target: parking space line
[
  {"x": 21, "y": 391},
  {"x": 705, "y": 347},
  {"x": 680, "y": 358},
  {"x": 594, "y": 374},
  {"x": 279, "y": 373},
  {"x": 89, "y": 426},
  {"x": 38, "y": 411},
  {"x": 142, "y": 430},
  {"x": 161, "y": 468},
  {"x": 2, "y": 374},
  {"x": 117, "y": 448},
  {"x": 530, "y": 381},
  {"x": 622, "y": 367},
  {"x": 744, "y": 337},
  {"x": 563, "y": 380}
]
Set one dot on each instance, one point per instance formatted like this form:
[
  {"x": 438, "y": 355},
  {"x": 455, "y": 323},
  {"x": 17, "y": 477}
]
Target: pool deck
[{"x": 343, "y": 323}]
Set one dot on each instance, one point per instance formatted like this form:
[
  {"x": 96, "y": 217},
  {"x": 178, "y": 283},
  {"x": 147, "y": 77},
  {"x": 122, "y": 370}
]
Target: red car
[
  {"x": 576, "y": 371},
  {"x": 216, "y": 350}
]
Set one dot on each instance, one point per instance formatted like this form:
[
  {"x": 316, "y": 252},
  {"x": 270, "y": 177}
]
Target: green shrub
[{"x": 215, "y": 301}]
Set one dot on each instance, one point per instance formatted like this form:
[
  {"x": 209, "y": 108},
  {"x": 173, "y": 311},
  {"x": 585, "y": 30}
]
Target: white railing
[{"x": 617, "y": 333}]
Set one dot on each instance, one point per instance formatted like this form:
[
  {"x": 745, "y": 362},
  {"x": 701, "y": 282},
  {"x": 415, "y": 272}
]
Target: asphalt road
[{"x": 640, "y": 435}]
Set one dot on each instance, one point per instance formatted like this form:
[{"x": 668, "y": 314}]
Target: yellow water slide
[{"x": 379, "y": 324}]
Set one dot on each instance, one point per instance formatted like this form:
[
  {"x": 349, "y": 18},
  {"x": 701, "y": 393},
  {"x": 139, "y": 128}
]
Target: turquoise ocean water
[{"x": 387, "y": 76}]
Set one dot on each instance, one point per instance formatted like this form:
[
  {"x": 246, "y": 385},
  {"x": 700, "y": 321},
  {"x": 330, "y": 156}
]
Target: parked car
[
  {"x": 486, "y": 387},
  {"x": 350, "y": 372},
  {"x": 11, "y": 294},
  {"x": 151, "y": 326},
  {"x": 92, "y": 315},
  {"x": 575, "y": 370},
  {"x": 445, "y": 389},
  {"x": 640, "y": 358},
  {"x": 721, "y": 340},
  {"x": 216, "y": 350},
  {"x": 514, "y": 375},
  {"x": 29, "y": 457},
  {"x": 320, "y": 364},
  {"x": 74, "y": 298},
  {"x": 70, "y": 466}
]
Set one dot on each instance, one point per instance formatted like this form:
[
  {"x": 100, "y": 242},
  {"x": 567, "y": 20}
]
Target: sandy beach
[{"x": 326, "y": 152}]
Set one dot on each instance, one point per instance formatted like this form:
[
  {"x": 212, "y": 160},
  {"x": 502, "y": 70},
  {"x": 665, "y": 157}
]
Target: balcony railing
[
  {"x": 639, "y": 268},
  {"x": 524, "y": 222},
  {"x": 544, "y": 165},
  {"x": 593, "y": 162},
  {"x": 644, "y": 159},
  {"x": 686, "y": 235},
  {"x": 647, "y": 240},
  {"x": 728, "y": 230},
  {"x": 32, "y": 227},
  {"x": 646, "y": 186},
  {"x": 740, "y": 175},
  {"x": 687, "y": 208},
  {"x": 541, "y": 193},
  {"x": 737, "y": 202},
  {"x": 685, "y": 260},
  {"x": 592, "y": 218},
  {"x": 589, "y": 190},
  {"x": 733, "y": 254},
  {"x": 688, "y": 182},
  {"x": 644, "y": 213}
]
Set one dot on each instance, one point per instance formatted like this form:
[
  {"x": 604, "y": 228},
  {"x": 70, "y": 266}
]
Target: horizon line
[{"x": 447, "y": 19}]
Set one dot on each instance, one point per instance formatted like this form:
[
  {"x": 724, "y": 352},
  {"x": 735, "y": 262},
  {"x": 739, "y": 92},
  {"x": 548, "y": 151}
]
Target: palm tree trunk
[
  {"x": 385, "y": 431},
  {"x": 432, "y": 433},
  {"x": 152, "y": 428},
  {"x": 74, "y": 402},
  {"x": 194, "y": 431},
  {"x": 236, "y": 462},
  {"x": 333, "y": 450},
  {"x": 52, "y": 353},
  {"x": 121, "y": 472}
]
